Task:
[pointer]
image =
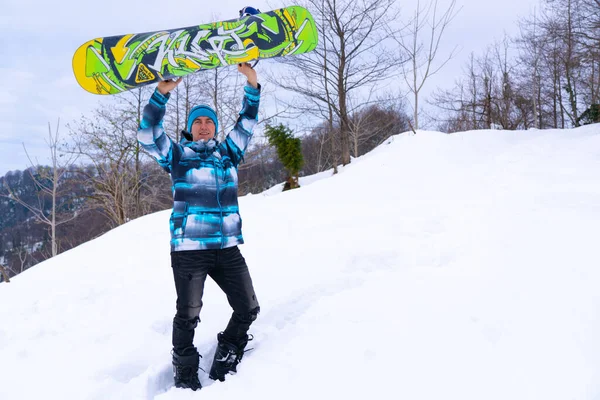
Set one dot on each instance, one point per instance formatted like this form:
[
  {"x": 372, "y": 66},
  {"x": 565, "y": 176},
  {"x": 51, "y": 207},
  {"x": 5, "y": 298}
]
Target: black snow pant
[{"x": 228, "y": 269}]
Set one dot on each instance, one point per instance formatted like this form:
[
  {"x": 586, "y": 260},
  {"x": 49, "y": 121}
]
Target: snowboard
[{"x": 115, "y": 64}]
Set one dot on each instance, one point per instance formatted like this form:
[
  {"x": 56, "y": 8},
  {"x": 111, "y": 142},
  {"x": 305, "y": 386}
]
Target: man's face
[{"x": 203, "y": 128}]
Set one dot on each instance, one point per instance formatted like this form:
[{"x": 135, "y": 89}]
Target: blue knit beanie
[{"x": 202, "y": 111}]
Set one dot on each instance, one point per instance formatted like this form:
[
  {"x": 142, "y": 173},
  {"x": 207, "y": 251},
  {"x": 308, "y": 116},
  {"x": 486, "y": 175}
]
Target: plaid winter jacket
[{"x": 204, "y": 176}]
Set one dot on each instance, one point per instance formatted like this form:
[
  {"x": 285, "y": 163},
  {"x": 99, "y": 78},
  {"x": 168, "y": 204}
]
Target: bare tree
[
  {"x": 422, "y": 48},
  {"x": 531, "y": 47},
  {"x": 317, "y": 149},
  {"x": 588, "y": 38},
  {"x": 261, "y": 169},
  {"x": 554, "y": 83},
  {"x": 462, "y": 103},
  {"x": 352, "y": 57},
  {"x": 487, "y": 96},
  {"x": 119, "y": 176},
  {"x": 469, "y": 103},
  {"x": 134, "y": 102},
  {"x": 571, "y": 62},
  {"x": 49, "y": 184},
  {"x": 108, "y": 142},
  {"x": 504, "y": 107},
  {"x": 22, "y": 253},
  {"x": 373, "y": 124},
  {"x": 552, "y": 70},
  {"x": 563, "y": 61}
]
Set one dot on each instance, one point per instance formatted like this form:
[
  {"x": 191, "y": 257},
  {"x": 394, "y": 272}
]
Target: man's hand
[
  {"x": 165, "y": 87},
  {"x": 250, "y": 73}
]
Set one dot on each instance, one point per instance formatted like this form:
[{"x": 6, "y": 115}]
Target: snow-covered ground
[{"x": 460, "y": 266}]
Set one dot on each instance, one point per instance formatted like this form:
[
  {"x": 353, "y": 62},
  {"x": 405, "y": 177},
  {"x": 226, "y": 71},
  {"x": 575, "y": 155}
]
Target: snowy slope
[{"x": 460, "y": 266}]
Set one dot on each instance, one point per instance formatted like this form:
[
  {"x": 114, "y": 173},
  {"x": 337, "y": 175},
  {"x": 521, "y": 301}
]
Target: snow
[{"x": 438, "y": 266}]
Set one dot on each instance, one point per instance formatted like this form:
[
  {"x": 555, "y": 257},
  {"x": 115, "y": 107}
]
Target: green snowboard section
[{"x": 116, "y": 64}]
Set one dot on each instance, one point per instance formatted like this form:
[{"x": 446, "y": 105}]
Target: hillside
[{"x": 459, "y": 266}]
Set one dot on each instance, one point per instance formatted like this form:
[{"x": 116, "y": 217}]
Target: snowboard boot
[
  {"x": 227, "y": 356},
  {"x": 185, "y": 370}
]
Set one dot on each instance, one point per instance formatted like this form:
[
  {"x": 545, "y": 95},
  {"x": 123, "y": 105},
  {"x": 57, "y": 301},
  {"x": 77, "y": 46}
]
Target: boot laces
[{"x": 185, "y": 371}]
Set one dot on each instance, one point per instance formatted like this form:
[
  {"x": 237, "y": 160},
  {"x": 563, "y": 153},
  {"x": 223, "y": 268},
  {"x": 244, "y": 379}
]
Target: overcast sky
[{"x": 38, "y": 39}]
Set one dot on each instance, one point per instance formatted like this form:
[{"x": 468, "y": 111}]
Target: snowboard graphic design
[{"x": 115, "y": 64}]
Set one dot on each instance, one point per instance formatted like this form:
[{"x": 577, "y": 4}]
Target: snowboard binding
[{"x": 244, "y": 12}]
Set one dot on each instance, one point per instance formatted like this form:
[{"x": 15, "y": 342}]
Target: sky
[
  {"x": 474, "y": 275},
  {"x": 38, "y": 39}
]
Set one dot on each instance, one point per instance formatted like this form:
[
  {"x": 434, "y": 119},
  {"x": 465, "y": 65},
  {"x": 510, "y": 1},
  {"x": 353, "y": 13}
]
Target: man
[{"x": 205, "y": 224}]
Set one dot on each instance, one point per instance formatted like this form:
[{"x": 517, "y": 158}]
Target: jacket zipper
[{"x": 219, "y": 202}]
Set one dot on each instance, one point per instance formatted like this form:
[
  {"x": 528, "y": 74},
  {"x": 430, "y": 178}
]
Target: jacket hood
[{"x": 202, "y": 147}]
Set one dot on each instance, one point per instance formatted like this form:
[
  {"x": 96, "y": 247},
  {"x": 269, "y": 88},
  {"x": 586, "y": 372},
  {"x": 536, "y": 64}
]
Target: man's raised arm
[
  {"x": 238, "y": 139},
  {"x": 151, "y": 135}
]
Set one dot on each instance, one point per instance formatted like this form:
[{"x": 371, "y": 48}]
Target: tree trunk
[
  {"x": 535, "y": 103},
  {"x": 53, "y": 223},
  {"x": 571, "y": 83},
  {"x": 561, "y": 107},
  {"x": 556, "y": 94},
  {"x": 329, "y": 107},
  {"x": 344, "y": 125},
  {"x": 355, "y": 137},
  {"x": 4, "y": 274},
  {"x": 416, "y": 115},
  {"x": 320, "y": 156},
  {"x": 474, "y": 99},
  {"x": 334, "y": 152},
  {"x": 138, "y": 169},
  {"x": 415, "y": 87},
  {"x": 488, "y": 103}
]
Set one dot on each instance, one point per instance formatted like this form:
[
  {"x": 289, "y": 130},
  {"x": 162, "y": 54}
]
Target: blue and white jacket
[{"x": 204, "y": 175}]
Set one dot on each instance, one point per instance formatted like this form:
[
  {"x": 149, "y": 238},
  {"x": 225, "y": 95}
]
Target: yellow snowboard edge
[{"x": 79, "y": 59}]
